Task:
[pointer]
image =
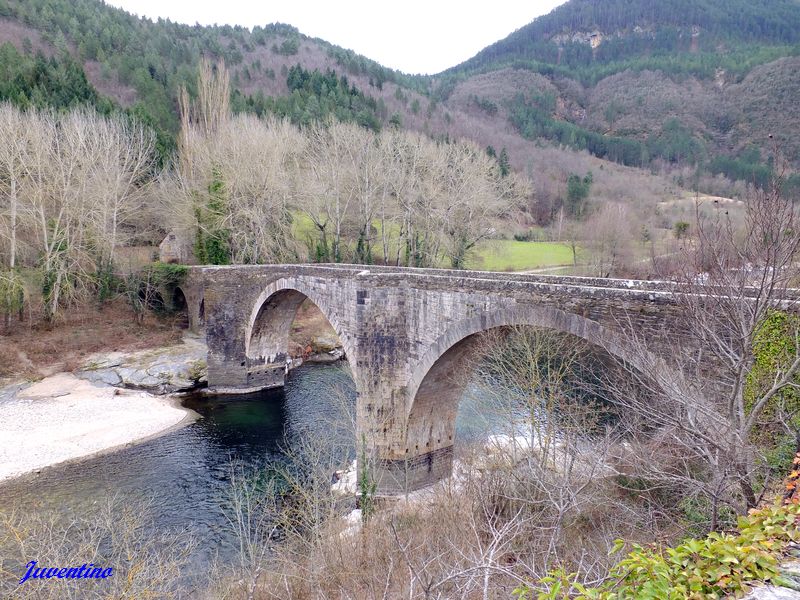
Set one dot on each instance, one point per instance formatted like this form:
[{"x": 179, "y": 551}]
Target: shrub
[
  {"x": 680, "y": 229},
  {"x": 12, "y": 293},
  {"x": 717, "y": 566}
]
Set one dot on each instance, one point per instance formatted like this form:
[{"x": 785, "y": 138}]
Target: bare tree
[
  {"x": 207, "y": 112},
  {"x": 13, "y": 153},
  {"x": 119, "y": 177},
  {"x": 608, "y": 233},
  {"x": 369, "y": 165},
  {"x": 13, "y": 161},
  {"x": 252, "y": 511},
  {"x": 256, "y": 163},
  {"x": 554, "y": 460},
  {"x": 83, "y": 178},
  {"x": 237, "y": 178},
  {"x": 708, "y": 403},
  {"x": 56, "y": 204},
  {"x": 407, "y": 166},
  {"x": 468, "y": 194},
  {"x": 329, "y": 193}
]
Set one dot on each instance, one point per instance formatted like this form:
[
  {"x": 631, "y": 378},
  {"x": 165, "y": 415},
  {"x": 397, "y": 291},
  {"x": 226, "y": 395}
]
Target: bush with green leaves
[
  {"x": 680, "y": 229},
  {"x": 774, "y": 349},
  {"x": 212, "y": 241},
  {"x": 718, "y": 566}
]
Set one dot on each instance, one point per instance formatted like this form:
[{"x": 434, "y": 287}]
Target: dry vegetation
[
  {"x": 34, "y": 349},
  {"x": 118, "y": 534},
  {"x": 547, "y": 166}
]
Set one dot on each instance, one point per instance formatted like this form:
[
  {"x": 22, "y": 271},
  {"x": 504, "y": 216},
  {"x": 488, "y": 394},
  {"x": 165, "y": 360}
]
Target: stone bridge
[{"x": 404, "y": 331}]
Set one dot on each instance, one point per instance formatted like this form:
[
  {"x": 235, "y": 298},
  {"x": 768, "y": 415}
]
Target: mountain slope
[
  {"x": 139, "y": 64},
  {"x": 703, "y": 83},
  {"x": 583, "y": 32}
]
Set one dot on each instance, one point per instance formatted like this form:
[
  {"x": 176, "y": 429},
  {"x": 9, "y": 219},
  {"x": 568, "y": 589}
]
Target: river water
[{"x": 185, "y": 473}]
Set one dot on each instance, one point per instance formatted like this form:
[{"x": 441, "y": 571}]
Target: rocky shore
[
  {"x": 111, "y": 400},
  {"x": 161, "y": 371}
]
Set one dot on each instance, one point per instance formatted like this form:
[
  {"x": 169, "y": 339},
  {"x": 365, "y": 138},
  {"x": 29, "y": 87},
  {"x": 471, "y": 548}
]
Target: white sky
[{"x": 415, "y": 36}]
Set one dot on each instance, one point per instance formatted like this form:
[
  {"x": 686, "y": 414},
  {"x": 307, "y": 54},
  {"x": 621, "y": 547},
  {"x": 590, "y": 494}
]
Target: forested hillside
[
  {"x": 619, "y": 30},
  {"x": 654, "y": 99},
  {"x": 708, "y": 84},
  {"x": 638, "y": 83},
  {"x": 139, "y": 64}
]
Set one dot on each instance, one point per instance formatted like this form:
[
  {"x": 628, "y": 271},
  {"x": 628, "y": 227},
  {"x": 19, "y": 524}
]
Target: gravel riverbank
[{"x": 62, "y": 417}]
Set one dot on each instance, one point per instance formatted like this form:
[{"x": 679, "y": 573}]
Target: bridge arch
[
  {"x": 180, "y": 306},
  {"x": 434, "y": 393},
  {"x": 269, "y": 324}
]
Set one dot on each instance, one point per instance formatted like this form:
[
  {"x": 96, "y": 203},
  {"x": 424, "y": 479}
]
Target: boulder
[
  {"x": 105, "y": 376},
  {"x": 162, "y": 371}
]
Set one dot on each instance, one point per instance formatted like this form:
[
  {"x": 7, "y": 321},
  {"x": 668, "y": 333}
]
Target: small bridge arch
[{"x": 269, "y": 326}]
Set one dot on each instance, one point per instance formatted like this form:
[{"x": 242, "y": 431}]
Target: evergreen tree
[{"x": 505, "y": 165}]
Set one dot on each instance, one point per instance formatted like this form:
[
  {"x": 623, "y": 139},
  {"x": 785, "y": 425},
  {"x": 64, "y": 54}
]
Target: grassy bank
[{"x": 511, "y": 255}]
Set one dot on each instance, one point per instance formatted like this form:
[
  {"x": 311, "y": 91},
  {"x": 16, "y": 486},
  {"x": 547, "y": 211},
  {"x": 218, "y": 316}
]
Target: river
[{"x": 185, "y": 473}]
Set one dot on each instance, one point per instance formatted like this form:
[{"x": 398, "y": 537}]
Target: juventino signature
[{"x": 83, "y": 572}]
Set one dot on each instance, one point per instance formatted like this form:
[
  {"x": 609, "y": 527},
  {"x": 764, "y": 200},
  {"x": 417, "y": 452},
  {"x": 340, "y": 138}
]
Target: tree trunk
[
  {"x": 12, "y": 260},
  {"x": 746, "y": 485}
]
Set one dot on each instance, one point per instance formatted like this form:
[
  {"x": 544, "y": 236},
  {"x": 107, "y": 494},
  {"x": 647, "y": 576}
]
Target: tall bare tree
[
  {"x": 119, "y": 176},
  {"x": 251, "y": 167},
  {"x": 13, "y": 151},
  {"x": 468, "y": 194},
  {"x": 609, "y": 234},
  {"x": 405, "y": 174},
  {"x": 13, "y": 161},
  {"x": 206, "y": 113},
  {"x": 329, "y": 190},
  {"x": 708, "y": 403}
]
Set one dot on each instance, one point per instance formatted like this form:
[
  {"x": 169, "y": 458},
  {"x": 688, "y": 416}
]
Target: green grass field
[
  {"x": 492, "y": 255},
  {"x": 511, "y": 255}
]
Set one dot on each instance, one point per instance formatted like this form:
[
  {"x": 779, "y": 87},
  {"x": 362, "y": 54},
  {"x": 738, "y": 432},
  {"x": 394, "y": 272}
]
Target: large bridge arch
[{"x": 434, "y": 390}]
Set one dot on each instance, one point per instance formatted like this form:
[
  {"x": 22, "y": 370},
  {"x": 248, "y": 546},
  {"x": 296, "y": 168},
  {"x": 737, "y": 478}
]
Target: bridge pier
[
  {"x": 423, "y": 448},
  {"x": 239, "y": 374}
]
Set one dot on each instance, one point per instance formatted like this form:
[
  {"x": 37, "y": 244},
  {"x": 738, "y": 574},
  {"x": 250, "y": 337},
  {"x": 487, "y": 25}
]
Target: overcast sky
[{"x": 415, "y": 36}]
